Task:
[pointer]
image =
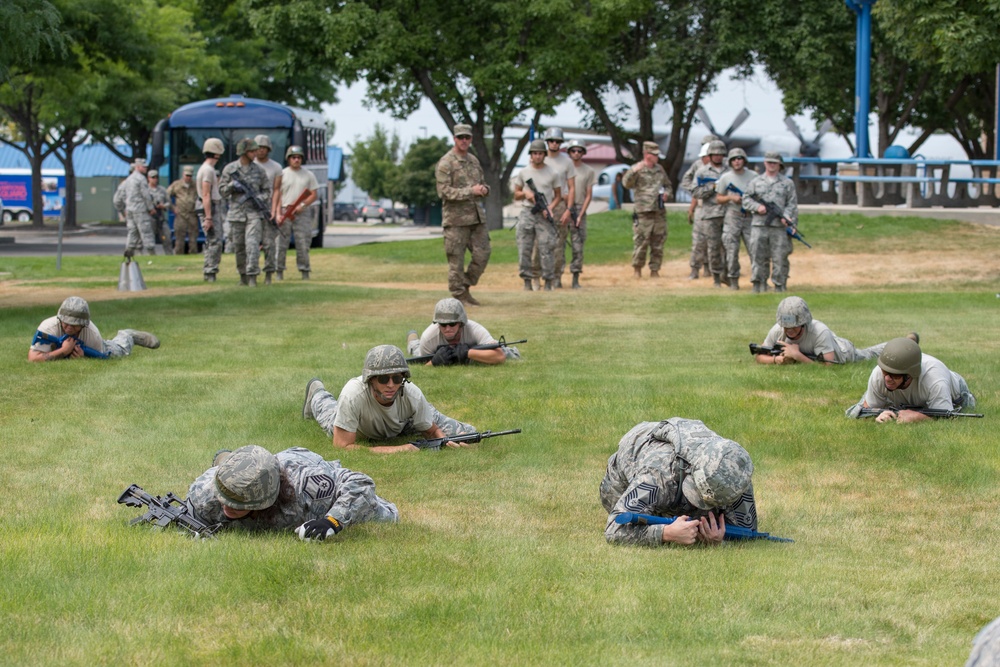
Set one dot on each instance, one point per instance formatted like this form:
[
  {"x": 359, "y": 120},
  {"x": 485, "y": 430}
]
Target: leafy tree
[
  {"x": 373, "y": 163},
  {"x": 415, "y": 183},
  {"x": 30, "y": 30}
]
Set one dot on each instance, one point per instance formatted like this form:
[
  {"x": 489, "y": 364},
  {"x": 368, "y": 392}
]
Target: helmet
[
  {"x": 263, "y": 141},
  {"x": 719, "y": 474},
  {"x": 774, "y": 156},
  {"x": 153, "y": 173},
  {"x": 448, "y": 311},
  {"x": 382, "y": 360},
  {"x": 554, "y": 133},
  {"x": 248, "y": 479},
  {"x": 716, "y": 147},
  {"x": 901, "y": 356},
  {"x": 537, "y": 146},
  {"x": 703, "y": 151},
  {"x": 74, "y": 311},
  {"x": 576, "y": 143},
  {"x": 244, "y": 145},
  {"x": 295, "y": 150},
  {"x": 213, "y": 146},
  {"x": 735, "y": 153},
  {"x": 708, "y": 138},
  {"x": 793, "y": 312}
]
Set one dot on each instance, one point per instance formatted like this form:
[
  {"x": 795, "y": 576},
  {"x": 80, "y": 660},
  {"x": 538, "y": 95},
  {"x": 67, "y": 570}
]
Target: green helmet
[
  {"x": 246, "y": 144},
  {"x": 248, "y": 479},
  {"x": 383, "y": 360},
  {"x": 719, "y": 474},
  {"x": 214, "y": 146},
  {"x": 716, "y": 147},
  {"x": 449, "y": 311},
  {"x": 793, "y": 312},
  {"x": 537, "y": 146},
  {"x": 74, "y": 311},
  {"x": 735, "y": 153},
  {"x": 263, "y": 141},
  {"x": 576, "y": 143},
  {"x": 901, "y": 356},
  {"x": 295, "y": 150}
]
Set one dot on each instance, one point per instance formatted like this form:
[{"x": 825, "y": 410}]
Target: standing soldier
[
  {"x": 209, "y": 206},
  {"x": 119, "y": 198},
  {"x": 563, "y": 166},
  {"x": 185, "y": 219},
  {"x": 713, "y": 211},
  {"x": 585, "y": 176},
  {"x": 771, "y": 243},
  {"x": 139, "y": 209},
  {"x": 537, "y": 226},
  {"x": 247, "y": 187},
  {"x": 295, "y": 211},
  {"x": 699, "y": 240},
  {"x": 649, "y": 223},
  {"x": 462, "y": 188},
  {"x": 270, "y": 230},
  {"x": 729, "y": 190},
  {"x": 161, "y": 204}
]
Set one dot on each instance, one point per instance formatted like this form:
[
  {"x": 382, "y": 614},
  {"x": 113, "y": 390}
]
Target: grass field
[{"x": 499, "y": 558}]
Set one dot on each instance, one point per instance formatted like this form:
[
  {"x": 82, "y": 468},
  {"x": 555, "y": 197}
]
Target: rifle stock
[
  {"x": 488, "y": 346},
  {"x": 301, "y": 198},
  {"x": 437, "y": 443},
  {"x": 166, "y": 510},
  {"x": 733, "y": 533}
]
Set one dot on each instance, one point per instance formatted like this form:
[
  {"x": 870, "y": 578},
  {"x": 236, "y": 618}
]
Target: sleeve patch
[
  {"x": 319, "y": 486},
  {"x": 641, "y": 498}
]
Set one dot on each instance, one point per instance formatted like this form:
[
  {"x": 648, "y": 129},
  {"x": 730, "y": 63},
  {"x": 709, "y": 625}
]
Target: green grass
[{"x": 499, "y": 557}]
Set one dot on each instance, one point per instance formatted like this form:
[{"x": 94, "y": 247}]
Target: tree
[
  {"x": 373, "y": 163},
  {"x": 415, "y": 183},
  {"x": 30, "y": 30}
]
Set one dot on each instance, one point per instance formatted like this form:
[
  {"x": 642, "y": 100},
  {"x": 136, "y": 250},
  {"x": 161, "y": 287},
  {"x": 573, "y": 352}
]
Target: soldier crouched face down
[
  {"x": 678, "y": 468},
  {"x": 295, "y": 489}
]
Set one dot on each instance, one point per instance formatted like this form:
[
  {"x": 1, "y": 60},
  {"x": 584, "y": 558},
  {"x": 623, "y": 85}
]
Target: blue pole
[{"x": 862, "y": 74}]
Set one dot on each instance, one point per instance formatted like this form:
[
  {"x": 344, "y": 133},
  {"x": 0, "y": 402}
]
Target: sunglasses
[
  {"x": 575, "y": 150},
  {"x": 397, "y": 378},
  {"x": 448, "y": 324}
]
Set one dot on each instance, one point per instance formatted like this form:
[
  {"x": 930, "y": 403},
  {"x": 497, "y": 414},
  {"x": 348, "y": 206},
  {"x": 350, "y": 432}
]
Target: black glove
[
  {"x": 236, "y": 186},
  {"x": 319, "y": 529},
  {"x": 461, "y": 353},
  {"x": 445, "y": 356}
]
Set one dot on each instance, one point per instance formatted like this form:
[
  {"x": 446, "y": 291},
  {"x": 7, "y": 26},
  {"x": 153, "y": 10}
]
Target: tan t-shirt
[
  {"x": 545, "y": 180},
  {"x": 359, "y": 412},
  {"x": 89, "y": 335},
  {"x": 585, "y": 178},
  {"x": 293, "y": 182},
  {"x": 473, "y": 333},
  {"x": 207, "y": 174}
]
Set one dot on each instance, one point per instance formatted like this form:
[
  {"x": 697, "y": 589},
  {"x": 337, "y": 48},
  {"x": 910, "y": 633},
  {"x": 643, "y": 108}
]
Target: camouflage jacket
[
  {"x": 779, "y": 190},
  {"x": 315, "y": 487},
  {"x": 704, "y": 189},
  {"x": 160, "y": 197},
  {"x": 185, "y": 196},
  {"x": 138, "y": 200},
  {"x": 455, "y": 178},
  {"x": 646, "y": 184},
  {"x": 241, "y": 206}
]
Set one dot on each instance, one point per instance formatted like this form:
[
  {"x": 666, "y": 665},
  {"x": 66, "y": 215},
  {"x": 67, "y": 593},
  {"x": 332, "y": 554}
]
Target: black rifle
[
  {"x": 541, "y": 203},
  {"x": 776, "y": 351},
  {"x": 775, "y": 213},
  {"x": 942, "y": 414},
  {"x": 166, "y": 510},
  {"x": 251, "y": 195},
  {"x": 437, "y": 443},
  {"x": 488, "y": 346}
]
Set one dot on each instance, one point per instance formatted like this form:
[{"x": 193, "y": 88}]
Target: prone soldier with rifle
[
  {"x": 537, "y": 186},
  {"x": 246, "y": 185},
  {"x": 71, "y": 335},
  {"x": 452, "y": 338},
  {"x": 772, "y": 200}
]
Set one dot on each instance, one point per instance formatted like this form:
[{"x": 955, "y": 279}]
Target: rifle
[
  {"x": 776, "y": 351},
  {"x": 251, "y": 194},
  {"x": 541, "y": 204},
  {"x": 52, "y": 340},
  {"x": 438, "y": 443},
  {"x": 774, "y": 213},
  {"x": 166, "y": 510},
  {"x": 733, "y": 533},
  {"x": 302, "y": 197},
  {"x": 487, "y": 346},
  {"x": 942, "y": 414}
]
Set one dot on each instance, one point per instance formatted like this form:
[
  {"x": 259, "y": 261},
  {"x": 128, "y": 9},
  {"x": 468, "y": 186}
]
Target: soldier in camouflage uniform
[
  {"x": 246, "y": 219},
  {"x": 583, "y": 189},
  {"x": 379, "y": 405},
  {"x": 712, "y": 210},
  {"x": 119, "y": 198},
  {"x": 771, "y": 244},
  {"x": 563, "y": 166},
  {"x": 296, "y": 489},
  {"x": 139, "y": 209},
  {"x": 161, "y": 204},
  {"x": 185, "y": 218},
  {"x": 649, "y": 224},
  {"x": 451, "y": 337},
  {"x": 986, "y": 647},
  {"x": 736, "y": 225},
  {"x": 73, "y": 321},
  {"x": 678, "y": 468},
  {"x": 462, "y": 188},
  {"x": 292, "y": 182},
  {"x": 209, "y": 206},
  {"x": 536, "y": 227},
  {"x": 699, "y": 240},
  {"x": 270, "y": 231}
]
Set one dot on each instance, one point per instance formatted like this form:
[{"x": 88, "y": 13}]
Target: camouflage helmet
[
  {"x": 214, "y": 146},
  {"x": 554, "y": 133},
  {"x": 449, "y": 311},
  {"x": 248, "y": 479},
  {"x": 735, "y": 153},
  {"x": 74, "y": 311},
  {"x": 716, "y": 147},
  {"x": 708, "y": 138},
  {"x": 719, "y": 474},
  {"x": 576, "y": 143},
  {"x": 774, "y": 156},
  {"x": 537, "y": 146},
  {"x": 295, "y": 150},
  {"x": 793, "y": 312},
  {"x": 263, "y": 141},
  {"x": 383, "y": 360},
  {"x": 901, "y": 356},
  {"x": 244, "y": 145}
]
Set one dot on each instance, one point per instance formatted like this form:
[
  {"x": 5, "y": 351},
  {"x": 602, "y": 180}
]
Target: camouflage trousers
[
  {"x": 771, "y": 248},
  {"x": 713, "y": 243},
  {"x": 558, "y": 250},
  {"x": 161, "y": 230},
  {"x": 278, "y": 238},
  {"x": 458, "y": 239},
  {"x": 214, "y": 240},
  {"x": 576, "y": 236},
  {"x": 186, "y": 226},
  {"x": 649, "y": 232},
  {"x": 121, "y": 345},
  {"x": 851, "y": 353},
  {"x": 141, "y": 239},
  {"x": 246, "y": 244},
  {"x": 324, "y": 409},
  {"x": 532, "y": 228},
  {"x": 699, "y": 241},
  {"x": 413, "y": 350},
  {"x": 736, "y": 227}
]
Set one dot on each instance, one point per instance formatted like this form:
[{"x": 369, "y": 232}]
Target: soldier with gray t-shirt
[
  {"x": 452, "y": 336},
  {"x": 537, "y": 227}
]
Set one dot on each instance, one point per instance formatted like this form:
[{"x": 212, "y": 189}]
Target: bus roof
[{"x": 238, "y": 111}]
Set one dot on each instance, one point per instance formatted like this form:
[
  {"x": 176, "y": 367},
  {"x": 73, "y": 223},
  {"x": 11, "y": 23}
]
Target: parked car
[
  {"x": 345, "y": 211},
  {"x": 373, "y": 211}
]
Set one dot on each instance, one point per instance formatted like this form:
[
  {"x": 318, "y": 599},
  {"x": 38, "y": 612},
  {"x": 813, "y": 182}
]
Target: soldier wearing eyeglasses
[
  {"x": 381, "y": 404},
  {"x": 452, "y": 337}
]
